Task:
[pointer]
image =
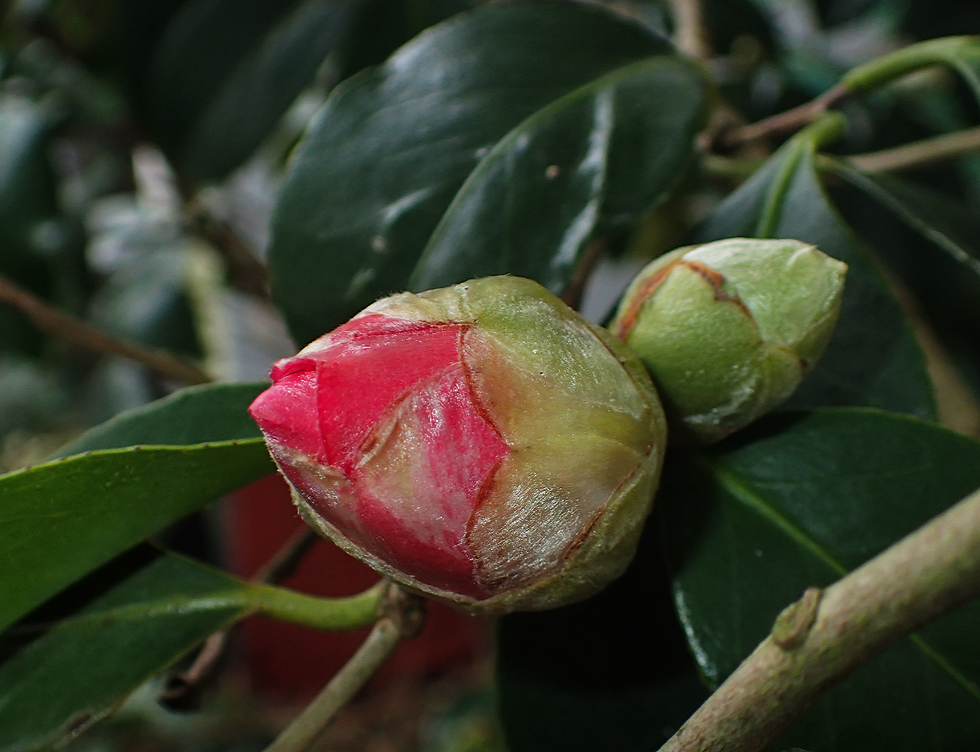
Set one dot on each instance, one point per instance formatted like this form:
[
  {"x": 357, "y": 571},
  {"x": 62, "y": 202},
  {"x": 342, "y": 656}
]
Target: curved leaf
[
  {"x": 195, "y": 415},
  {"x": 69, "y": 677},
  {"x": 937, "y": 261},
  {"x": 62, "y": 519},
  {"x": 873, "y": 359},
  {"x": 226, "y": 71},
  {"x": 800, "y": 500},
  {"x": 392, "y": 147},
  {"x": 602, "y": 154}
]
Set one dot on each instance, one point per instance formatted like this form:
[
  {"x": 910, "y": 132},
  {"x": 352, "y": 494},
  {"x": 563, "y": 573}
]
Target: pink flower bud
[{"x": 482, "y": 443}]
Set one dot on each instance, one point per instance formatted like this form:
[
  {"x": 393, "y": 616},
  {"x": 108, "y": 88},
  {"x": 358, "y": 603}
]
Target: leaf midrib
[{"x": 741, "y": 491}]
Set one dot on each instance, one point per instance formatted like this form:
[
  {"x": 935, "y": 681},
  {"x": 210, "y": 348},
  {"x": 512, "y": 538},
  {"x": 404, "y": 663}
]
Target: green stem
[
  {"x": 826, "y": 128},
  {"x": 333, "y": 614},
  {"x": 949, "y": 51},
  {"x": 874, "y": 73}
]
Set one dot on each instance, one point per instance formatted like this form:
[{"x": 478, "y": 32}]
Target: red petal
[
  {"x": 286, "y": 412},
  {"x": 372, "y": 363},
  {"x": 417, "y": 492}
]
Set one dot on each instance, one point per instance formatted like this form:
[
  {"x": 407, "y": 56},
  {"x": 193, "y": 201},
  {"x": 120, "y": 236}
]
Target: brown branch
[
  {"x": 822, "y": 638},
  {"x": 572, "y": 296},
  {"x": 401, "y": 616},
  {"x": 785, "y": 122},
  {"x": 918, "y": 153},
  {"x": 83, "y": 334}
]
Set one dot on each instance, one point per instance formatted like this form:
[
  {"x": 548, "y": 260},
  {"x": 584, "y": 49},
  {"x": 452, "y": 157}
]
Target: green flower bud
[{"x": 729, "y": 329}]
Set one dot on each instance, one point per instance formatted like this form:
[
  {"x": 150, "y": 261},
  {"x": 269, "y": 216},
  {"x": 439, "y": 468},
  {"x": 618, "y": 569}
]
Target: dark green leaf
[
  {"x": 226, "y": 71},
  {"x": 611, "y": 674},
  {"x": 382, "y": 26},
  {"x": 602, "y": 154},
  {"x": 78, "y": 671},
  {"x": 873, "y": 358},
  {"x": 62, "y": 519},
  {"x": 937, "y": 261},
  {"x": 800, "y": 500},
  {"x": 502, "y": 93},
  {"x": 195, "y": 415}
]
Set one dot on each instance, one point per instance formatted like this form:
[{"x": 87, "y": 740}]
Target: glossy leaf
[
  {"x": 873, "y": 359},
  {"x": 226, "y": 70},
  {"x": 195, "y": 415},
  {"x": 601, "y": 155},
  {"x": 938, "y": 260},
  {"x": 508, "y": 128},
  {"x": 798, "y": 501},
  {"x": 77, "y": 672},
  {"x": 612, "y": 673},
  {"x": 62, "y": 519}
]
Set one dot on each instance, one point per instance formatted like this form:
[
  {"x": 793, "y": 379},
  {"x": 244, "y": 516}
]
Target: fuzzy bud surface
[
  {"x": 481, "y": 443},
  {"x": 728, "y": 329}
]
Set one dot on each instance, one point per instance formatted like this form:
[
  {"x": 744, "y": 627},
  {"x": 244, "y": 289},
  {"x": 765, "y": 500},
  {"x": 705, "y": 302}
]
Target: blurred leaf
[
  {"x": 27, "y": 182},
  {"x": 800, "y": 500},
  {"x": 502, "y": 93},
  {"x": 195, "y": 415},
  {"x": 612, "y": 673},
  {"x": 873, "y": 359},
  {"x": 27, "y": 208},
  {"x": 226, "y": 70},
  {"x": 61, "y": 519},
  {"x": 937, "y": 261},
  {"x": 145, "y": 300},
  {"x": 77, "y": 672}
]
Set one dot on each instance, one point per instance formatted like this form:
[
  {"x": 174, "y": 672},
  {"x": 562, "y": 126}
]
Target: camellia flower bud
[
  {"x": 729, "y": 329},
  {"x": 481, "y": 443}
]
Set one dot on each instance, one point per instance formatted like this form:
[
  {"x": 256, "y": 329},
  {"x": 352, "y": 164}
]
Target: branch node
[
  {"x": 405, "y": 610},
  {"x": 793, "y": 625}
]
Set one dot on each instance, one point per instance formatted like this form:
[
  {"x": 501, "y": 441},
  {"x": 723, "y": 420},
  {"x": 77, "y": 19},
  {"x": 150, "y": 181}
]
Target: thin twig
[
  {"x": 822, "y": 638},
  {"x": 401, "y": 616},
  {"x": 786, "y": 122},
  {"x": 919, "y": 153},
  {"x": 246, "y": 271},
  {"x": 83, "y": 334},
  {"x": 572, "y": 296},
  {"x": 690, "y": 34},
  {"x": 182, "y": 690},
  {"x": 289, "y": 555}
]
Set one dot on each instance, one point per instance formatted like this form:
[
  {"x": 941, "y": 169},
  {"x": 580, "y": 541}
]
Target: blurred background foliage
[{"x": 143, "y": 144}]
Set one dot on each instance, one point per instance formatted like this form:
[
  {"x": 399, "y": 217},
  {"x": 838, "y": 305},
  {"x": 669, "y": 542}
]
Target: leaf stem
[
  {"x": 333, "y": 614},
  {"x": 79, "y": 332},
  {"x": 824, "y": 637},
  {"x": 401, "y": 616},
  {"x": 918, "y": 153}
]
